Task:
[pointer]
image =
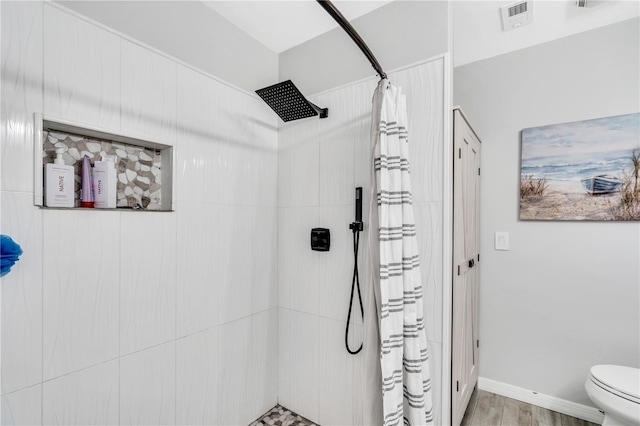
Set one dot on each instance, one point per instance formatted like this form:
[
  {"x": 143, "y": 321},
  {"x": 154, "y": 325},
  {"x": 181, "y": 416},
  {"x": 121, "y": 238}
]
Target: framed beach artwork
[{"x": 583, "y": 170}]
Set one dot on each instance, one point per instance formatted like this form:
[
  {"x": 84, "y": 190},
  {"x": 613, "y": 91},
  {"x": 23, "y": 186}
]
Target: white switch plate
[{"x": 501, "y": 241}]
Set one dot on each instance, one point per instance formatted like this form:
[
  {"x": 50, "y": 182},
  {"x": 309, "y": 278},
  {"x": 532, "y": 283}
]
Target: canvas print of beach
[{"x": 583, "y": 170}]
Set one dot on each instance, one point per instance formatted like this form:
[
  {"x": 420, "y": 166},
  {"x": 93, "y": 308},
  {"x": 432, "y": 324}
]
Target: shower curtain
[{"x": 395, "y": 280}]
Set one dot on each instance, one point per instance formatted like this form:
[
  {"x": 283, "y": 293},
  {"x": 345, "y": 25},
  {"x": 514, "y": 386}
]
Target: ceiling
[
  {"x": 281, "y": 25},
  {"x": 477, "y": 27}
]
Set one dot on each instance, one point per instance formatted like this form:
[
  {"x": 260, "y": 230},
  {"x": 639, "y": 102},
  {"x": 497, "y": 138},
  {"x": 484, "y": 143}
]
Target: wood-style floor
[{"x": 488, "y": 409}]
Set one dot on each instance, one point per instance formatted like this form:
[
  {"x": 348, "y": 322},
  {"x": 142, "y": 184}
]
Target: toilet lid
[{"x": 622, "y": 379}]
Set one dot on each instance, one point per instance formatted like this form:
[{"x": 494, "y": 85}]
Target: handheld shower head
[{"x": 287, "y": 101}]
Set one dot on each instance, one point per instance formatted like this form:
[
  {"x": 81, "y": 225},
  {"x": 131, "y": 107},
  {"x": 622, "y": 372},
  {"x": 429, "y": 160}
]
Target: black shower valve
[{"x": 320, "y": 239}]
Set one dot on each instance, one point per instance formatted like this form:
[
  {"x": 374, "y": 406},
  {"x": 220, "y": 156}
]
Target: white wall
[
  {"x": 567, "y": 294},
  {"x": 191, "y": 32},
  {"x": 320, "y": 164},
  {"x": 399, "y": 33},
  {"x": 136, "y": 317}
]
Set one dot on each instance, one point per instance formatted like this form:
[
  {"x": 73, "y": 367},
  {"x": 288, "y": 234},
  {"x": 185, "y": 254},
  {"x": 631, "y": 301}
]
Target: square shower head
[{"x": 287, "y": 101}]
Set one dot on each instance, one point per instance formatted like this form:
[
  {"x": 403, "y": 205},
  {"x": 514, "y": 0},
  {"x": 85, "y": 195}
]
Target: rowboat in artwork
[{"x": 601, "y": 184}]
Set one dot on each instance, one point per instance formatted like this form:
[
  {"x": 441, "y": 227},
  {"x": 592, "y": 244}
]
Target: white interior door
[{"x": 466, "y": 191}]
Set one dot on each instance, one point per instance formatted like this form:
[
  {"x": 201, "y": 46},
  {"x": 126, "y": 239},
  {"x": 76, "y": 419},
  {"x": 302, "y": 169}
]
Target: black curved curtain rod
[{"x": 342, "y": 21}]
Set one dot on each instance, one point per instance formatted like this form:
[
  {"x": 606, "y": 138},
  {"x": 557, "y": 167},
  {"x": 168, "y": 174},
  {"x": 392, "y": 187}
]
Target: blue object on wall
[{"x": 10, "y": 252}]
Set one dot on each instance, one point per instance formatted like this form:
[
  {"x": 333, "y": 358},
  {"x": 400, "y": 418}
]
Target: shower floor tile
[{"x": 281, "y": 416}]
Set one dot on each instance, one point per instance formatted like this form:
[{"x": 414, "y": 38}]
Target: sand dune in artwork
[{"x": 568, "y": 201}]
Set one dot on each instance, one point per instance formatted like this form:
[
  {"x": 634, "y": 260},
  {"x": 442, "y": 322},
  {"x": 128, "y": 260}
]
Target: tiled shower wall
[
  {"x": 320, "y": 164},
  {"x": 136, "y": 317}
]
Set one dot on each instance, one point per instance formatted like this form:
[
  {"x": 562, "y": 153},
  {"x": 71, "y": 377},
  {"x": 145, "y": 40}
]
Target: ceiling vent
[{"x": 516, "y": 14}]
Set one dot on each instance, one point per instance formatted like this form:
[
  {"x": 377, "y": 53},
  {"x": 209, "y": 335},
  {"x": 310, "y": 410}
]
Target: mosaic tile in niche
[{"x": 138, "y": 168}]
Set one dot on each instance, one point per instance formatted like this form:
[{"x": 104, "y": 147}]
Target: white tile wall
[
  {"x": 22, "y": 295},
  {"x": 148, "y": 93},
  {"x": 299, "y": 265},
  {"x": 320, "y": 164},
  {"x": 80, "y": 292},
  {"x": 88, "y": 396},
  {"x": 113, "y": 317},
  {"x": 235, "y": 355},
  {"x": 262, "y": 382},
  {"x": 198, "y": 266},
  {"x": 263, "y": 288},
  {"x": 197, "y": 378},
  {"x": 147, "y": 280},
  {"x": 21, "y": 91},
  {"x": 234, "y": 272},
  {"x": 81, "y": 71},
  {"x": 423, "y": 85},
  {"x": 336, "y": 387},
  {"x": 304, "y": 370},
  {"x": 23, "y": 407},
  {"x": 284, "y": 357},
  {"x": 335, "y": 271},
  {"x": 148, "y": 386},
  {"x": 186, "y": 303}
]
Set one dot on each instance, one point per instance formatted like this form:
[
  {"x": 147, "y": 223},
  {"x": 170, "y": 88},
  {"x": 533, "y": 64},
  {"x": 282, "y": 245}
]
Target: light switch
[{"x": 501, "y": 241}]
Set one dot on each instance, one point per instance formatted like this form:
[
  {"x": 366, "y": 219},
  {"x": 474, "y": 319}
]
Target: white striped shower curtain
[{"x": 395, "y": 278}]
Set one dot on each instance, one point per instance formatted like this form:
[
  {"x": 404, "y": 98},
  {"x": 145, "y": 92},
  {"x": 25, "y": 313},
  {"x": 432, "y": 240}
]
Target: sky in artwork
[{"x": 582, "y": 138}]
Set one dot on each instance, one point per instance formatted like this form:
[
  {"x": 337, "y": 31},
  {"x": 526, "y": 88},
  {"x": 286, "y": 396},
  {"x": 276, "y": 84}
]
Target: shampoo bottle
[
  {"x": 59, "y": 183},
  {"x": 105, "y": 183},
  {"x": 86, "y": 195}
]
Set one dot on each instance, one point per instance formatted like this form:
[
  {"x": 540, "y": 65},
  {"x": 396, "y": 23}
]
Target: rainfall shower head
[{"x": 287, "y": 101}]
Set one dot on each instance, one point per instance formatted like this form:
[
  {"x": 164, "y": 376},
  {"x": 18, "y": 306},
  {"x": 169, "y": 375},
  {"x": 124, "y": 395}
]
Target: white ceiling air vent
[{"x": 516, "y": 14}]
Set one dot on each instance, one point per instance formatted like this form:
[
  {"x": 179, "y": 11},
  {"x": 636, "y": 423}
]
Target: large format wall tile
[
  {"x": 299, "y": 265},
  {"x": 234, "y": 262},
  {"x": 263, "y": 288},
  {"x": 335, "y": 272},
  {"x": 86, "y": 397},
  {"x": 197, "y": 372},
  {"x": 315, "y": 287},
  {"x": 22, "y": 295},
  {"x": 80, "y": 296},
  {"x": 81, "y": 71},
  {"x": 234, "y": 358},
  {"x": 197, "y": 269},
  {"x": 95, "y": 301},
  {"x": 23, "y": 407},
  {"x": 336, "y": 149},
  {"x": 21, "y": 91},
  {"x": 265, "y": 146},
  {"x": 424, "y": 88},
  {"x": 262, "y": 383},
  {"x": 148, "y": 386},
  {"x": 148, "y": 93},
  {"x": 284, "y": 356},
  {"x": 298, "y": 164},
  {"x": 147, "y": 280},
  {"x": 336, "y": 387},
  {"x": 199, "y": 162},
  {"x": 304, "y": 369}
]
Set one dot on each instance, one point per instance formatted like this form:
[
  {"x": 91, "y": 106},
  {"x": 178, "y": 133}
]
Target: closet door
[{"x": 466, "y": 196}]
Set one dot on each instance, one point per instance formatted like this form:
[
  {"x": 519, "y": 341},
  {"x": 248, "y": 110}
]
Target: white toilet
[{"x": 615, "y": 390}]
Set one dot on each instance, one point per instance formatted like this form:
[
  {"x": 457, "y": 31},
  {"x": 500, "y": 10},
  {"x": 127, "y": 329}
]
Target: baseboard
[{"x": 569, "y": 408}]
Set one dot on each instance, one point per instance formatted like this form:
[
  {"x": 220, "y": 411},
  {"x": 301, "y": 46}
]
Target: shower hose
[{"x": 356, "y": 227}]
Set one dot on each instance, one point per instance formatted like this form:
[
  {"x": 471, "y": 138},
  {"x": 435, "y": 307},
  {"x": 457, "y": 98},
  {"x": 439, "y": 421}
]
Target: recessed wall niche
[{"x": 144, "y": 169}]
